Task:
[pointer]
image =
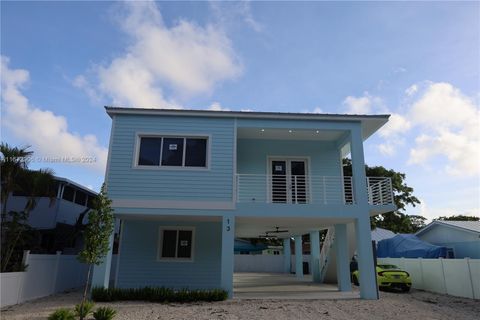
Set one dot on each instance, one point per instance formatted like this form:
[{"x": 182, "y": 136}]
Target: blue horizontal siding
[
  {"x": 139, "y": 267},
  {"x": 214, "y": 184}
]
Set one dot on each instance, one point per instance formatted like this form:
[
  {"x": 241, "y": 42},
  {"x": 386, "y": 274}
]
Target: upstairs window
[
  {"x": 80, "y": 198},
  {"x": 176, "y": 244},
  {"x": 68, "y": 193},
  {"x": 173, "y": 152}
]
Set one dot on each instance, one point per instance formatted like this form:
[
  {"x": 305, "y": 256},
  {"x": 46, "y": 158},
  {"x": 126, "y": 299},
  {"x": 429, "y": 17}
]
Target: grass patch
[{"x": 157, "y": 294}]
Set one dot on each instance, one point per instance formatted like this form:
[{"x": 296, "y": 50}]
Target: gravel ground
[{"x": 411, "y": 306}]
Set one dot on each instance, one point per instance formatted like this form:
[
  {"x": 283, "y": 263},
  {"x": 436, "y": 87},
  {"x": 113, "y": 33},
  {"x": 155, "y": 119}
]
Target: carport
[{"x": 284, "y": 286}]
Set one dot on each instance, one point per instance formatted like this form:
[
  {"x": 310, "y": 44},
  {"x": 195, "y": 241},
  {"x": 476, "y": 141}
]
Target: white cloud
[
  {"x": 216, "y": 106},
  {"x": 364, "y": 105},
  {"x": 411, "y": 90},
  {"x": 397, "y": 124},
  {"x": 163, "y": 64},
  {"x": 358, "y": 105},
  {"x": 229, "y": 12},
  {"x": 46, "y": 132},
  {"x": 450, "y": 128}
]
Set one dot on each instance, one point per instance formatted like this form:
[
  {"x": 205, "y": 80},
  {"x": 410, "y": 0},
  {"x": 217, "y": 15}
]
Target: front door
[{"x": 288, "y": 181}]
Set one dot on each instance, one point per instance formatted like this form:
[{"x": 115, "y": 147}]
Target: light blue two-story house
[{"x": 185, "y": 183}]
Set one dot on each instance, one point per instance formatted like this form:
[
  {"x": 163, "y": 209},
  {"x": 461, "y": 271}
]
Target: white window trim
[
  {"x": 160, "y": 244},
  {"x": 136, "y": 153}
]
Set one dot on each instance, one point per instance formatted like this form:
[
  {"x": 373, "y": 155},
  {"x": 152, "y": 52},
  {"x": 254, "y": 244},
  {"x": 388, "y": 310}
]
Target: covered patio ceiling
[
  {"x": 253, "y": 227},
  {"x": 289, "y": 134}
]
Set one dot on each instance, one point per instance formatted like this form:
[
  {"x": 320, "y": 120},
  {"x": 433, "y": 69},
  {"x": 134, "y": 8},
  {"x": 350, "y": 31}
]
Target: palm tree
[
  {"x": 14, "y": 160},
  {"x": 35, "y": 184}
]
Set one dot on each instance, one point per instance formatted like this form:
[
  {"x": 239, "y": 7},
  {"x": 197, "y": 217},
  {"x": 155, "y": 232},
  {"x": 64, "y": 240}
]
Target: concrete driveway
[{"x": 284, "y": 286}]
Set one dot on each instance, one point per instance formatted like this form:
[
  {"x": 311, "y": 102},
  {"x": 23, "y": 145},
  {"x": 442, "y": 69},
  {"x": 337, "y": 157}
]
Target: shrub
[
  {"x": 104, "y": 313},
  {"x": 62, "y": 314},
  {"x": 157, "y": 294},
  {"x": 82, "y": 310}
]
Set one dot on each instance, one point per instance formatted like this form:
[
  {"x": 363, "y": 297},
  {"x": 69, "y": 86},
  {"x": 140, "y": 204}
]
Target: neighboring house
[
  {"x": 273, "y": 250},
  {"x": 54, "y": 220},
  {"x": 462, "y": 236},
  {"x": 185, "y": 183},
  {"x": 379, "y": 234}
]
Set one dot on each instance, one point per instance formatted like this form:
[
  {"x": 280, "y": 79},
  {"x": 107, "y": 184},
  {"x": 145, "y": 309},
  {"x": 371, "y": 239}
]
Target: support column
[
  {"x": 101, "y": 273},
  {"x": 358, "y": 166},
  {"x": 343, "y": 260},
  {"x": 287, "y": 256},
  {"x": 366, "y": 267},
  {"x": 298, "y": 257},
  {"x": 315, "y": 255},
  {"x": 228, "y": 238}
]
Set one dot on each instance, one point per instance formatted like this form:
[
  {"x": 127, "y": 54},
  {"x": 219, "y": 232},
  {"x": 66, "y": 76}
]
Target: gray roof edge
[
  {"x": 244, "y": 114},
  {"x": 78, "y": 185}
]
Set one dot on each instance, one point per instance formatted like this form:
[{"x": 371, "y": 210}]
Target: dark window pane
[
  {"x": 149, "y": 151},
  {"x": 184, "y": 244},
  {"x": 68, "y": 193},
  {"x": 80, "y": 198},
  {"x": 196, "y": 153},
  {"x": 172, "y": 153},
  {"x": 169, "y": 242}
]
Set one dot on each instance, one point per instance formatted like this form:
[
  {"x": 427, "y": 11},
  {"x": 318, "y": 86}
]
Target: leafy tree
[
  {"x": 396, "y": 221},
  {"x": 459, "y": 218},
  {"x": 97, "y": 235}
]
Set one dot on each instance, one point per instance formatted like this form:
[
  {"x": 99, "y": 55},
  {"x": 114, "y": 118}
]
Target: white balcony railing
[
  {"x": 380, "y": 191},
  {"x": 301, "y": 189}
]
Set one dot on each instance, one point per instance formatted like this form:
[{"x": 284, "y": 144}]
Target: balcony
[{"x": 304, "y": 189}]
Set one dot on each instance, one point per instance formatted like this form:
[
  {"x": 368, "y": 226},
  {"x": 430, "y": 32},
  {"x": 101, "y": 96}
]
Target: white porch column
[
  {"x": 228, "y": 238},
  {"x": 343, "y": 260},
  {"x": 298, "y": 257},
  {"x": 315, "y": 254},
  {"x": 358, "y": 166},
  {"x": 366, "y": 267},
  {"x": 287, "y": 256},
  {"x": 101, "y": 273}
]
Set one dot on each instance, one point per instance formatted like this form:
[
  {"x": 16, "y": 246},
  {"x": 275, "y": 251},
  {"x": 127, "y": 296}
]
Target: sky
[{"x": 62, "y": 62}]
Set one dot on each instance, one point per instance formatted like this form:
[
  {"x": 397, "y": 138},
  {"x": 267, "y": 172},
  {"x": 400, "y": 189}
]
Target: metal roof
[
  {"x": 370, "y": 123},
  {"x": 79, "y": 186},
  {"x": 381, "y": 234},
  {"x": 473, "y": 226}
]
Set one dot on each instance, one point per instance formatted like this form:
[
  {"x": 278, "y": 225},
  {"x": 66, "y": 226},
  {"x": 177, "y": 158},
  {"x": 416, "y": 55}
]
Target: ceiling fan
[
  {"x": 266, "y": 236},
  {"x": 276, "y": 231}
]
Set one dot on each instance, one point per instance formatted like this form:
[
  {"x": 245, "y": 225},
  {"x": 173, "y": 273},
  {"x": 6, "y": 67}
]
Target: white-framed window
[
  {"x": 176, "y": 243},
  {"x": 166, "y": 151}
]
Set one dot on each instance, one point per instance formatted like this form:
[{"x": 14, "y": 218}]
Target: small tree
[{"x": 97, "y": 235}]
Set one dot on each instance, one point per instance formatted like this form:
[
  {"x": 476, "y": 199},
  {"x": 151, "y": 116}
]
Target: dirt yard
[{"x": 411, "y": 306}]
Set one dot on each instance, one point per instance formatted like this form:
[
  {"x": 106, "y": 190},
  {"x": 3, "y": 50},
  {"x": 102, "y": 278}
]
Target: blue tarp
[
  {"x": 245, "y": 246},
  {"x": 409, "y": 246}
]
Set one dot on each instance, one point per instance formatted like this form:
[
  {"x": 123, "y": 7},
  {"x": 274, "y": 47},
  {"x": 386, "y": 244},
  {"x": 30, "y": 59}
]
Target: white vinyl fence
[
  {"x": 46, "y": 274},
  {"x": 456, "y": 277}
]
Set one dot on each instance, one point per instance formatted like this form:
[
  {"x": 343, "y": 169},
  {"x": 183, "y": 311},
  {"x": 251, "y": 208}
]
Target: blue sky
[{"x": 63, "y": 61}]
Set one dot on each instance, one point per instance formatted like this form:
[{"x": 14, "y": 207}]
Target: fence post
[
  {"x": 55, "y": 272},
  {"x": 25, "y": 259},
  {"x": 443, "y": 277},
  {"x": 421, "y": 274},
  {"x": 467, "y": 261}
]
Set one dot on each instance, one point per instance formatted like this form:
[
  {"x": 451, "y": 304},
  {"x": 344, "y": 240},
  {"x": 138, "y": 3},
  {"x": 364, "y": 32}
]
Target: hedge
[{"x": 157, "y": 294}]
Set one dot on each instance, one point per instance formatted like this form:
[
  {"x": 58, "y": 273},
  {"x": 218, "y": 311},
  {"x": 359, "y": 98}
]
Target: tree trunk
[{"x": 86, "y": 284}]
